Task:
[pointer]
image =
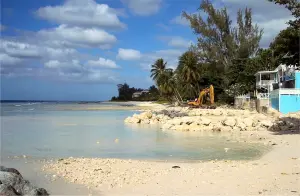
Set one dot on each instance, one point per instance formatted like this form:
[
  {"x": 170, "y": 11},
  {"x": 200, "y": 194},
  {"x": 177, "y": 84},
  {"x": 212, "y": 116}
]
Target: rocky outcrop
[
  {"x": 187, "y": 119},
  {"x": 12, "y": 183}
]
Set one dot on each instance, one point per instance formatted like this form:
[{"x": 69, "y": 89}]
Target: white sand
[{"x": 277, "y": 173}]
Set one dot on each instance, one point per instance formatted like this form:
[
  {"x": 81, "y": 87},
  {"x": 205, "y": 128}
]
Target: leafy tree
[
  {"x": 286, "y": 46},
  {"x": 218, "y": 40}
]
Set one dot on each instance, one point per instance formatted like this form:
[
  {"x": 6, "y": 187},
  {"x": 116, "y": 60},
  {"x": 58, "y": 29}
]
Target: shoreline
[{"x": 279, "y": 166}]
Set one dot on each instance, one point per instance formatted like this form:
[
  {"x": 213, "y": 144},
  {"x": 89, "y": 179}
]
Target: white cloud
[
  {"x": 76, "y": 71},
  {"x": 20, "y": 49},
  {"x": 19, "y": 58},
  {"x": 179, "y": 20},
  {"x": 77, "y": 36},
  {"x": 6, "y": 60},
  {"x": 143, "y": 7},
  {"x": 164, "y": 27},
  {"x": 86, "y": 13},
  {"x": 128, "y": 54},
  {"x": 102, "y": 63}
]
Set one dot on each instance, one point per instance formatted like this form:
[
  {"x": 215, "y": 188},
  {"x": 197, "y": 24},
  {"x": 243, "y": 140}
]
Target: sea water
[{"x": 56, "y": 130}]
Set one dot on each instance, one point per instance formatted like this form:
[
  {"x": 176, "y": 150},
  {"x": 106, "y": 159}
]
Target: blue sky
[{"x": 80, "y": 49}]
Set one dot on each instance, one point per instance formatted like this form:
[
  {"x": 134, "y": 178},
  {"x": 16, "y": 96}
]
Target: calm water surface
[{"x": 49, "y": 130}]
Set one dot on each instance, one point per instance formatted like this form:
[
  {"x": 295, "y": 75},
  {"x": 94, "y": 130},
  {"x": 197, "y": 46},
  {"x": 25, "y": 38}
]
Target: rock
[
  {"x": 7, "y": 190},
  {"x": 284, "y": 128},
  {"x": 12, "y": 170},
  {"x": 146, "y": 115},
  {"x": 226, "y": 129},
  {"x": 205, "y": 121},
  {"x": 241, "y": 125},
  {"x": 248, "y": 122},
  {"x": 266, "y": 123},
  {"x": 38, "y": 192},
  {"x": 229, "y": 122},
  {"x": 236, "y": 129},
  {"x": 145, "y": 121},
  {"x": 12, "y": 179},
  {"x": 195, "y": 127},
  {"x": 135, "y": 120}
]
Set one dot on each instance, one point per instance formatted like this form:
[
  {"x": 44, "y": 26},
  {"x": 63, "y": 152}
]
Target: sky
[{"x": 81, "y": 49}]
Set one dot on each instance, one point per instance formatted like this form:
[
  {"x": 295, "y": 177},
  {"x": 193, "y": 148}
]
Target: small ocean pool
[{"x": 51, "y": 133}]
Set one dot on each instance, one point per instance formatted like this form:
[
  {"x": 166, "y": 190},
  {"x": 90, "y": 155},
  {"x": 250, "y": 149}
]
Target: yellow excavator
[{"x": 205, "y": 91}]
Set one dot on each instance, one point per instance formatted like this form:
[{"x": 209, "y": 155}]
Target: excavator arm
[{"x": 199, "y": 101}]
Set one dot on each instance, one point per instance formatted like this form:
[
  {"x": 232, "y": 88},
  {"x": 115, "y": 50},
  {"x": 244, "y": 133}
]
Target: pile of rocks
[
  {"x": 148, "y": 118},
  {"x": 221, "y": 119},
  {"x": 12, "y": 183},
  {"x": 289, "y": 122}
]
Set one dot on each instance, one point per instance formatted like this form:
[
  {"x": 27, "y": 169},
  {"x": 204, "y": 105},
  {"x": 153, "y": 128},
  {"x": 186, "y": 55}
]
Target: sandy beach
[{"x": 275, "y": 173}]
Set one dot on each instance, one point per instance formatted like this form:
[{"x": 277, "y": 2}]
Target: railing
[{"x": 265, "y": 82}]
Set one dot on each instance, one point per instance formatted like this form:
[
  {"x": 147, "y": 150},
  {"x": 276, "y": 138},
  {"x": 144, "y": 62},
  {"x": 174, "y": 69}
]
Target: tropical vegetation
[{"x": 226, "y": 55}]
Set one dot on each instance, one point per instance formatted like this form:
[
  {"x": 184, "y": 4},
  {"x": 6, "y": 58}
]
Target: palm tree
[
  {"x": 158, "y": 69},
  {"x": 188, "y": 72}
]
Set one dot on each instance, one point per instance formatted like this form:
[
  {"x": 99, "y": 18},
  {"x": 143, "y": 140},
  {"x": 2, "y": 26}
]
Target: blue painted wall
[
  {"x": 275, "y": 103},
  {"x": 289, "y": 103},
  {"x": 297, "y": 79}
]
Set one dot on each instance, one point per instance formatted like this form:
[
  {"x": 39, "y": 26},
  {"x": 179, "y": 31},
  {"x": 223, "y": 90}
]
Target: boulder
[
  {"x": 146, "y": 115},
  {"x": 241, "y": 125},
  {"x": 12, "y": 179},
  {"x": 195, "y": 127},
  {"x": 229, "y": 122},
  {"x": 248, "y": 122},
  {"x": 226, "y": 129},
  {"x": 7, "y": 190},
  {"x": 37, "y": 192},
  {"x": 205, "y": 121},
  {"x": 266, "y": 123},
  {"x": 135, "y": 120},
  {"x": 12, "y": 183},
  {"x": 237, "y": 129},
  {"x": 145, "y": 121}
]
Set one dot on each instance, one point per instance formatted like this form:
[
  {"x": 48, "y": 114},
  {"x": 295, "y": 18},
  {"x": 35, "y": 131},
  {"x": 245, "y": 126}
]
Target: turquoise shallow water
[{"x": 46, "y": 130}]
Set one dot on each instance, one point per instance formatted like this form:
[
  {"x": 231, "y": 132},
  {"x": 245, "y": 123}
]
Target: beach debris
[
  {"x": 60, "y": 159},
  {"x": 175, "y": 167},
  {"x": 24, "y": 156},
  {"x": 226, "y": 149},
  {"x": 283, "y": 173},
  {"x": 116, "y": 140},
  {"x": 98, "y": 142},
  {"x": 294, "y": 191}
]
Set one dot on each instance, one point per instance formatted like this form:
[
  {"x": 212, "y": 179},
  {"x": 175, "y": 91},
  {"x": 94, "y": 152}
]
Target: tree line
[
  {"x": 226, "y": 55},
  {"x": 126, "y": 92}
]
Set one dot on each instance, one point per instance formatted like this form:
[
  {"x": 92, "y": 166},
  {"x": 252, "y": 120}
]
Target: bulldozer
[{"x": 199, "y": 101}]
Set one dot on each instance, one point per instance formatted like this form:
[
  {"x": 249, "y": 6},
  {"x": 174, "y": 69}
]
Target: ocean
[{"x": 56, "y": 130}]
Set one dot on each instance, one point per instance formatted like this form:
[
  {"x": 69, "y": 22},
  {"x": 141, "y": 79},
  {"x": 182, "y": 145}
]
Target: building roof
[{"x": 265, "y": 72}]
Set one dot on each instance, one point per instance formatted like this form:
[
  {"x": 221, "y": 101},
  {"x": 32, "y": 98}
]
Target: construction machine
[{"x": 199, "y": 101}]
